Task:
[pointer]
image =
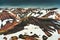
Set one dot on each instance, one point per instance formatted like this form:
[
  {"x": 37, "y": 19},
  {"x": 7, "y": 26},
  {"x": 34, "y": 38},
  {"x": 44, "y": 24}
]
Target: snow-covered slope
[{"x": 31, "y": 28}]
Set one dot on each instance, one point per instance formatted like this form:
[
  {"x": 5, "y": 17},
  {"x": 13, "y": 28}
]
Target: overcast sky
[{"x": 26, "y": 3}]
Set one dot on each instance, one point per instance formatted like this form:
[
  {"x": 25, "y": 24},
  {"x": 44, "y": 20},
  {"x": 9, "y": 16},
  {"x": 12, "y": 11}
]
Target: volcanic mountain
[{"x": 14, "y": 27}]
